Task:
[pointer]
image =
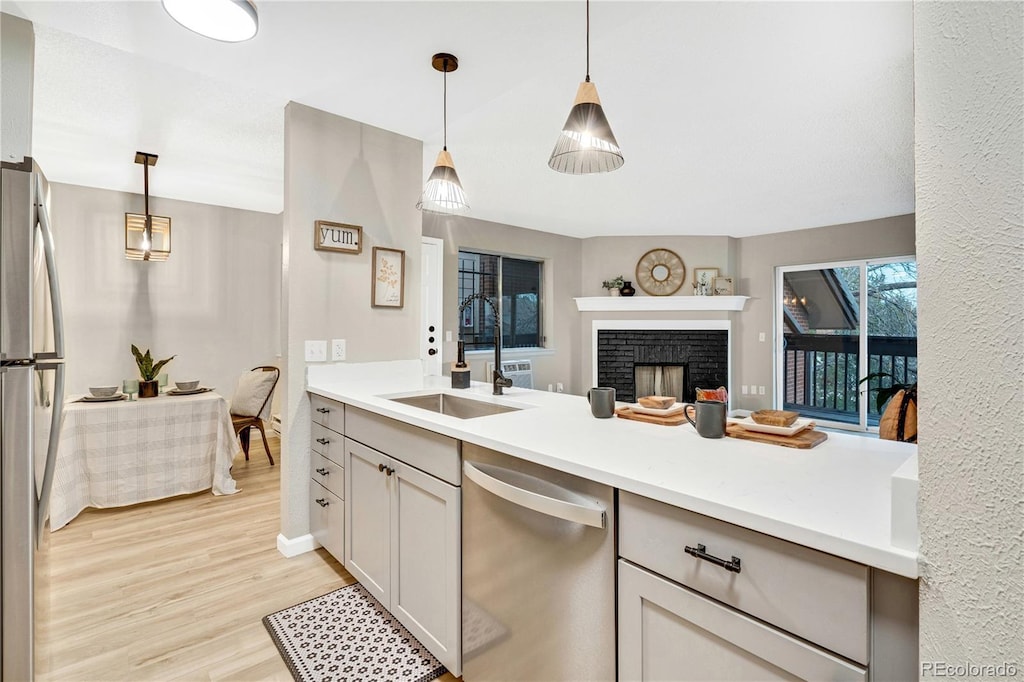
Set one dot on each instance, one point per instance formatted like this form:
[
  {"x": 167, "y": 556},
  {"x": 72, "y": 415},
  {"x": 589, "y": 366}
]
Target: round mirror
[{"x": 660, "y": 272}]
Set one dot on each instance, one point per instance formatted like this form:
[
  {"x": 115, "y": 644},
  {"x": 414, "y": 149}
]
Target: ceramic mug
[
  {"x": 709, "y": 417},
  {"x": 602, "y": 402}
]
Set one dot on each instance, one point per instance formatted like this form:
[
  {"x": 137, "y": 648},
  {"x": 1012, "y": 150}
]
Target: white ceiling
[{"x": 735, "y": 118}]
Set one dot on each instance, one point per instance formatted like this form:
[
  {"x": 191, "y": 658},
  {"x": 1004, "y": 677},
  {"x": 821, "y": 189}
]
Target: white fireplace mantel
[{"x": 663, "y": 303}]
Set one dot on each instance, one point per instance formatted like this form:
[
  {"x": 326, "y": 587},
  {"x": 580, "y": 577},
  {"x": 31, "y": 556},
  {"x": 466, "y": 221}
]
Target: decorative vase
[
  {"x": 613, "y": 292},
  {"x": 149, "y": 389},
  {"x": 627, "y": 289}
]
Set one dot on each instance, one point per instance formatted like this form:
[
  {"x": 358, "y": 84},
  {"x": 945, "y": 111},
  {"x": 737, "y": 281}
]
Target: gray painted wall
[
  {"x": 215, "y": 303},
  {"x": 756, "y": 262},
  {"x": 561, "y": 274},
  {"x": 347, "y": 172},
  {"x": 968, "y": 151}
]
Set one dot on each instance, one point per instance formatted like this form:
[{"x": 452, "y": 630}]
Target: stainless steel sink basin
[{"x": 454, "y": 406}]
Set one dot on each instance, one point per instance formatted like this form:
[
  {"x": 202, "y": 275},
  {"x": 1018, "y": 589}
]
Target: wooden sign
[{"x": 337, "y": 237}]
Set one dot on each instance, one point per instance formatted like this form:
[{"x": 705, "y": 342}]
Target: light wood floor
[{"x": 175, "y": 589}]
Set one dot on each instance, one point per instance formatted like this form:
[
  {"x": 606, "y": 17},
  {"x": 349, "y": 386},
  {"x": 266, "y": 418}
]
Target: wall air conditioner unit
[{"x": 519, "y": 371}]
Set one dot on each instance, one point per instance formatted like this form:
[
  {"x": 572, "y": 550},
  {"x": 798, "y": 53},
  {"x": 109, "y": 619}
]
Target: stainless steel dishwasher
[{"x": 538, "y": 572}]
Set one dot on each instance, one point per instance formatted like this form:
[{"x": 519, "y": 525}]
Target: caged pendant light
[
  {"x": 146, "y": 237},
  {"x": 587, "y": 144},
  {"x": 443, "y": 192}
]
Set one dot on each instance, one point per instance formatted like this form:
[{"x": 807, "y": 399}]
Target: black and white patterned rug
[{"x": 346, "y": 635}]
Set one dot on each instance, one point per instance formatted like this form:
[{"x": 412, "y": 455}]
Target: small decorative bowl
[
  {"x": 103, "y": 391},
  {"x": 187, "y": 385}
]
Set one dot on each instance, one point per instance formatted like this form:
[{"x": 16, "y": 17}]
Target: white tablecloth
[{"x": 119, "y": 453}]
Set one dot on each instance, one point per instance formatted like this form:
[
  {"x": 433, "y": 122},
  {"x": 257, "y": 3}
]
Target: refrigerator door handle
[
  {"x": 545, "y": 498},
  {"x": 56, "y": 417},
  {"x": 51, "y": 273}
]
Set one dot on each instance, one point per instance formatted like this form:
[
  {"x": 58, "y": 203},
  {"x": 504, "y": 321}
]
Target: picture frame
[
  {"x": 328, "y": 236},
  {"x": 723, "y": 286},
  {"x": 387, "y": 288},
  {"x": 704, "y": 281}
]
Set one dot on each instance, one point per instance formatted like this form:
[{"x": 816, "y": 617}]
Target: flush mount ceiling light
[
  {"x": 443, "y": 192},
  {"x": 146, "y": 237},
  {"x": 230, "y": 21},
  {"x": 587, "y": 144}
]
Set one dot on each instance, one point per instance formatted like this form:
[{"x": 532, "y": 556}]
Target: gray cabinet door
[
  {"x": 668, "y": 632},
  {"x": 368, "y": 521}
]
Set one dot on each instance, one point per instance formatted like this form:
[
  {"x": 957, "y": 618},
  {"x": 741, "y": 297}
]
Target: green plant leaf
[{"x": 158, "y": 366}]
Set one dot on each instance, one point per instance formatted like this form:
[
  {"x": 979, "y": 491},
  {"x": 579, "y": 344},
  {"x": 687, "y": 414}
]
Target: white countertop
[{"x": 836, "y": 497}]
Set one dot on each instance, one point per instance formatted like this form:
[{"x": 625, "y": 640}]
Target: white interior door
[{"x": 431, "y": 291}]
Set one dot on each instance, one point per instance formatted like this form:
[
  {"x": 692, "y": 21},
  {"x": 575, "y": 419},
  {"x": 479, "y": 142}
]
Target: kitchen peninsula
[{"x": 828, "y": 566}]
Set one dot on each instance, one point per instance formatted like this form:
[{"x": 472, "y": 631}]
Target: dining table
[{"x": 124, "y": 452}]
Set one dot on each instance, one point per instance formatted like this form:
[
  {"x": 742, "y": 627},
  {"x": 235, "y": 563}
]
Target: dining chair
[{"x": 250, "y": 405}]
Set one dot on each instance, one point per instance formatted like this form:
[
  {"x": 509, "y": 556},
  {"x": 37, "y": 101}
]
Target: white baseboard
[{"x": 296, "y": 546}]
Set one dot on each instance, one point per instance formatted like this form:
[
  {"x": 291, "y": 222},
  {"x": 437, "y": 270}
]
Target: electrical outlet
[
  {"x": 760, "y": 337},
  {"x": 316, "y": 351},
  {"x": 551, "y": 388},
  {"x": 743, "y": 389},
  {"x": 448, "y": 336},
  {"x": 559, "y": 387},
  {"x": 760, "y": 390},
  {"x": 337, "y": 349}
]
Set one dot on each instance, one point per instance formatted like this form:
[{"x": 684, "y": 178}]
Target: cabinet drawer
[
  {"x": 667, "y": 632},
  {"x": 327, "y": 443},
  {"x": 815, "y": 595},
  {"x": 328, "y": 473},
  {"x": 427, "y": 451},
  {"x": 327, "y": 520},
  {"x": 327, "y": 413}
]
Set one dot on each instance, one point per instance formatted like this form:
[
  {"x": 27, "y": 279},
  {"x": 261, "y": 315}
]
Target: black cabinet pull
[
  {"x": 432, "y": 351},
  {"x": 322, "y": 502},
  {"x": 322, "y": 410},
  {"x": 380, "y": 468},
  {"x": 323, "y": 441},
  {"x": 732, "y": 565},
  {"x": 323, "y": 472},
  {"x": 389, "y": 470}
]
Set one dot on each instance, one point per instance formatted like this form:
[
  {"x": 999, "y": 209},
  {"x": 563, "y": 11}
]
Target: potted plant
[
  {"x": 613, "y": 285},
  {"x": 899, "y": 420},
  {"x": 149, "y": 387}
]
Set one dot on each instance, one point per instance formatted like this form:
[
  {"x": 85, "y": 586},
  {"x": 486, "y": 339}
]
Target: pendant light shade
[
  {"x": 146, "y": 237},
  {"x": 587, "y": 144},
  {"x": 230, "y": 21},
  {"x": 443, "y": 192}
]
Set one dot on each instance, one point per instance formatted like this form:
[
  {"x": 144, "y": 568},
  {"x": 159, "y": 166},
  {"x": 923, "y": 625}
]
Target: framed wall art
[
  {"x": 329, "y": 236},
  {"x": 388, "y": 286},
  {"x": 723, "y": 286},
  {"x": 704, "y": 281}
]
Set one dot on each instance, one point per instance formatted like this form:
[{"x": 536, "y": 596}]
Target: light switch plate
[
  {"x": 337, "y": 349},
  {"x": 316, "y": 351}
]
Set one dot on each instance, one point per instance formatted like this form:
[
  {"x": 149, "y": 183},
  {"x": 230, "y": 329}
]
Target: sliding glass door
[{"x": 835, "y": 324}]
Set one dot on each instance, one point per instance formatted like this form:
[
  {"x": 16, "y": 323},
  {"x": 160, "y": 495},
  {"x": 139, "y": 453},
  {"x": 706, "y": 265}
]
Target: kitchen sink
[{"x": 454, "y": 406}]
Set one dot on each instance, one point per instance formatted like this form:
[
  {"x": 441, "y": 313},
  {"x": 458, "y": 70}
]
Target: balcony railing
[{"x": 821, "y": 372}]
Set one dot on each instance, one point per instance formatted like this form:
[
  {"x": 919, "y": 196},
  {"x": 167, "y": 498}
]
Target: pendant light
[
  {"x": 146, "y": 237},
  {"x": 587, "y": 144},
  {"x": 443, "y": 192},
  {"x": 230, "y": 21}
]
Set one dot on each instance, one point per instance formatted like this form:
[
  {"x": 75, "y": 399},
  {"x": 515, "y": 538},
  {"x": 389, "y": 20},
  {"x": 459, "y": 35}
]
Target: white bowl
[
  {"x": 103, "y": 391},
  {"x": 187, "y": 385}
]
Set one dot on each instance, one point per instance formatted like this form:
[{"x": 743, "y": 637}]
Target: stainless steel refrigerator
[{"x": 31, "y": 400}]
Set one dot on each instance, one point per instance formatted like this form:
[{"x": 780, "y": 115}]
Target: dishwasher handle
[{"x": 510, "y": 485}]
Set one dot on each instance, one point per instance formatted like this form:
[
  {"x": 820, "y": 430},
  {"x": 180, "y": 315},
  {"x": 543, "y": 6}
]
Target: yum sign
[{"x": 337, "y": 237}]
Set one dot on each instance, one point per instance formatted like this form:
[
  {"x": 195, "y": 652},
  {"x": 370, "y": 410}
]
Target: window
[
  {"x": 514, "y": 284},
  {"x": 823, "y": 349}
]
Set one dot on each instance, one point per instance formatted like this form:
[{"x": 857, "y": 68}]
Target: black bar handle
[
  {"x": 700, "y": 552},
  {"x": 323, "y": 472},
  {"x": 322, "y": 502},
  {"x": 323, "y": 441},
  {"x": 322, "y": 410}
]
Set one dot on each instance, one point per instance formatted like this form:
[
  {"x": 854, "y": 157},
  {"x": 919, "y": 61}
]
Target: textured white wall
[
  {"x": 215, "y": 303},
  {"x": 343, "y": 171},
  {"x": 970, "y": 248}
]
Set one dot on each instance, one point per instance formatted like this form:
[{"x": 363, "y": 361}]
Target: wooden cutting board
[
  {"x": 807, "y": 438},
  {"x": 674, "y": 420}
]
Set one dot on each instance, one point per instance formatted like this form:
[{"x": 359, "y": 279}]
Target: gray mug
[
  {"x": 710, "y": 417},
  {"x": 602, "y": 402}
]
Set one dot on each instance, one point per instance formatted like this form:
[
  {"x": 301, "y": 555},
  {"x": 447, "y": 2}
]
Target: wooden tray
[
  {"x": 674, "y": 420},
  {"x": 807, "y": 438}
]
